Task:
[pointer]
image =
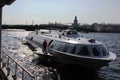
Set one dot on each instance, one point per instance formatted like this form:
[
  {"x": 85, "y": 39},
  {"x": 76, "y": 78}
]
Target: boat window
[
  {"x": 50, "y": 42},
  {"x": 90, "y": 50},
  {"x": 66, "y": 46},
  {"x": 68, "y": 32},
  {"x": 104, "y": 51},
  {"x": 52, "y": 45},
  {"x": 71, "y": 32},
  {"x": 58, "y": 45},
  {"x": 99, "y": 50},
  {"x": 74, "y": 32},
  {"x": 84, "y": 51},
  {"x": 78, "y": 49},
  {"x": 95, "y": 51},
  {"x": 71, "y": 48},
  {"x": 62, "y": 46}
]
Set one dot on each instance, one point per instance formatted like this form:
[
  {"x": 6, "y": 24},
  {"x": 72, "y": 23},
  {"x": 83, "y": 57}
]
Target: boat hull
[{"x": 79, "y": 61}]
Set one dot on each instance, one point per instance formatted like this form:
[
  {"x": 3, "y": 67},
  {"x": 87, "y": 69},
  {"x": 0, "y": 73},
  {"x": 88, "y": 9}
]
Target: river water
[{"x": 110, "y": 72}]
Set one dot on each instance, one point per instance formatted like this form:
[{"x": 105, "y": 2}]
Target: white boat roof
[
  {"x": 73, "y": 40},
  {"x": 82, "y": 41}
]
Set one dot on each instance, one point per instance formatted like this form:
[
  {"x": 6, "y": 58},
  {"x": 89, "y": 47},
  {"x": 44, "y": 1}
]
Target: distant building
[
  {"x": 75, "y": 23},
  {"x": 105, "y": 27}
]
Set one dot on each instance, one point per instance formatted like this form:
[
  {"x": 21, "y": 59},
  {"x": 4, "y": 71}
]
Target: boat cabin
[{"x": 79, "y": 49}]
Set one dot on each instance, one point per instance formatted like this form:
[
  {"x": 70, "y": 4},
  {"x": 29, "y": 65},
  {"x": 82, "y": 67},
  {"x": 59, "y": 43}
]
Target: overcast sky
[{"x": 62, "y": 11}]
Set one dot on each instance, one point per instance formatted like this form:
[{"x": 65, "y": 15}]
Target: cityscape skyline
[{"x": 62, "y": 11}]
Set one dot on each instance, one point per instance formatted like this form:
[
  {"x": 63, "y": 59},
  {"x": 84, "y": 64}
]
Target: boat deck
[{"x": 38, "y": 49}]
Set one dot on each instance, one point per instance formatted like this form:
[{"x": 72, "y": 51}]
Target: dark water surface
[
  {"x": 80, "y": 74},
  {"x": 69, "y": 73}
]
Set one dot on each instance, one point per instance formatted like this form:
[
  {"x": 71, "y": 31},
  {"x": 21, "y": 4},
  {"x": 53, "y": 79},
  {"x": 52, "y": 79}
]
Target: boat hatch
[{"x": 91, "y": 40}]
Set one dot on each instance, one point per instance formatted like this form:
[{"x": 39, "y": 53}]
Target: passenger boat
[{"x": 78, "y": 51}]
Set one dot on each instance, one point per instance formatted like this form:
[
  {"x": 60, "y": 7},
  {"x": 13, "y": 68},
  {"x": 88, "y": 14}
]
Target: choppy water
[{"x": 111, "y": 72}]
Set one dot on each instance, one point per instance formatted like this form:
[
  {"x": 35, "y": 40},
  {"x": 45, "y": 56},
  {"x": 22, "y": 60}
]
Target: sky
[{"x": 62, "y": 11}]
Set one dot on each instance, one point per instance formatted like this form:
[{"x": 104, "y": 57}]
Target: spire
[
  {"x": 75, "y": 23},
  {"x": 75, "y": 17},
  {"x": 75, "y": 20}
]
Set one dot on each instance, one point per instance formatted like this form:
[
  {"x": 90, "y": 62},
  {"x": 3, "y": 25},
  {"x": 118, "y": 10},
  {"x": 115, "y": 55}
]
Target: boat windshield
[
  {"x": 63, "y": 47},
  {"x": 71, "y": 32},
  {"x": 80, "y": 49},
  {"x": 91, "y": 50}
]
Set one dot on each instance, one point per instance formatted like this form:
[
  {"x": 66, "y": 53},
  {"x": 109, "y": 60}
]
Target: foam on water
[{"x": 12, "y": 44}]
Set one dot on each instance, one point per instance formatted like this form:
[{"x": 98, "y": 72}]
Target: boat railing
[{"x": 14, "y": 69}]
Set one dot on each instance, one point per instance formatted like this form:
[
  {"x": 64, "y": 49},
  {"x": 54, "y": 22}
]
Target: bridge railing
[{"x": 14, "y": 68}]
